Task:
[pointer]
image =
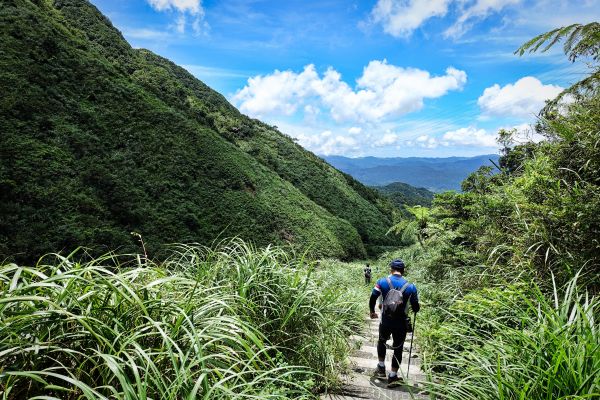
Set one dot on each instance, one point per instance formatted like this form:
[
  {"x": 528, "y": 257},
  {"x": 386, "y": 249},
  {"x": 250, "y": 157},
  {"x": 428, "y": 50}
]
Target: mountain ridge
[
  {"x": 101, "y": 140},
  {"x": 435, "y": 174}
]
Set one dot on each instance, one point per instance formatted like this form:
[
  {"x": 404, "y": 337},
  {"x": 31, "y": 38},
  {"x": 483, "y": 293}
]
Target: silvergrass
[
  {"x": 229, "y": 322},
  {"x": 534, "y": 348}
]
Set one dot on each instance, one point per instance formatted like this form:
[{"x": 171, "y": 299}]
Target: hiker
[
  {"x": 394, "y": 319},
  {"x": 367, "y": 271}
]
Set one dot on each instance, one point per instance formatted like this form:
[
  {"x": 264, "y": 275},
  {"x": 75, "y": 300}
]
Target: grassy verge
[
  {"x": 223, "y": 323},
  {"x": 503, "y": 340}
]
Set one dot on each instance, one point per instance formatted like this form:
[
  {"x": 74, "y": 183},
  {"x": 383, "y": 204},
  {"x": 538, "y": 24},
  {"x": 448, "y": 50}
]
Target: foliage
[
  {"x": 510, "y": 280},
  {"x": 580, "y": 41},
  {"x": 223, "y": 323},
  {"x": 402, "y": 194},
  {"x": 99, "y": 140},
  {"x": 515, "y": 343},
  {"x": 418, "y": 226}
]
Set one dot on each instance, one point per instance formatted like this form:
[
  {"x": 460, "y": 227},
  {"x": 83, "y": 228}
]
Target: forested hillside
[
  {"x": 404, "y": 194},
  {"x": 100, "y": 140},
  {"x": 509, "y": 269}
]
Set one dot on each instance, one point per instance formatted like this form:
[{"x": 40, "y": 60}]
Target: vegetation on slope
[
  {"x": 509, "y": 270},
  {"x": 226, "y": 323},
  {"x": 402, "y": 194},
  {"x": 100, "y": 140}
]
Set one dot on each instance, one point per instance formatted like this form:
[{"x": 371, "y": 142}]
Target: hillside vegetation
[
  {"x": 231, "y": 322},
  {"x": 404, "y": 194},
  {"x": 100, "y": 140},
  {"x": 509, "y": 269}
]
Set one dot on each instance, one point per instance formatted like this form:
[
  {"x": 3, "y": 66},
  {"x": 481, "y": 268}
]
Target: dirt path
[{"x": 362, "y": 384}]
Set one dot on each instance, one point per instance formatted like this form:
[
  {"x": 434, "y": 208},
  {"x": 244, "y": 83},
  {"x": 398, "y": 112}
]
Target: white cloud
[
  {"x": 277, "y": 93},
  {"x": 400, "y": 17},
  {"x": 382, "y": 91},
  {"x": 427, "y": 142},
  {"x": 525, "y": 133},
  {"x": 476, "y": 10},
  {"x": 327, "y": 143},
  {"x": 180, "y": 24},
  {"x": 190, "y": 6},
  {"x": 524, "y": 98},
  {"x": 462, "y": 137},
  {"x": 355, "y": 130},
  {"x": 183, "y": 8},
  {"x": 387, "y": 139},
  {"x": 470, "y": 136}
]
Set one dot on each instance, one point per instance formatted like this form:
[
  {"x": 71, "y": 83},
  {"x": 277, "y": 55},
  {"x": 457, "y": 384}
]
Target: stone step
[
  {"x": 362, "y": 384},
  {"x": 366, "y": 366},
  {"x": 371, "y": 351},
  {"x": 377, "y": 392}
]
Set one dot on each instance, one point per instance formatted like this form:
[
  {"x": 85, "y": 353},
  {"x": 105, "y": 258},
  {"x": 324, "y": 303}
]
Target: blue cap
[{"x": 397, "y": 264}]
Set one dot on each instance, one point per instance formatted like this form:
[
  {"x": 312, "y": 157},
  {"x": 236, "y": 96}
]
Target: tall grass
[
  {"x": 224, "y": 323},
  {"x": 516, "y": 343}
]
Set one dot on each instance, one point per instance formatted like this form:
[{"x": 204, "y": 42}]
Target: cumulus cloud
[
  {"x": 189, "y": 11},
  {"x": 383, "y": 90},
  {"x": 191, "y": 6},
  {"x": 524, "y": 98},
  {"x": 525, "y": 133},
  {"x": 427, "y": 142},
  {"x": 400, "y": 18},
  {"x": 387, "y": 139},
  {"x": 470, "y": 136},
  {"x": 463, "y": 137},
  {"x": 327, "y": 143}
]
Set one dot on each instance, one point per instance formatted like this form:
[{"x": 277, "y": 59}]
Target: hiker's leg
[
  {"x": 398, "y": 335},
  {"x": 384, "y": 335}
]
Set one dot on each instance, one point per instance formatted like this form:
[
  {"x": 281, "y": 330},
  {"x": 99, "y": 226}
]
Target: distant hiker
[
  {"x": 394, "y": 320},
  {"x": 367, "y": 271}
]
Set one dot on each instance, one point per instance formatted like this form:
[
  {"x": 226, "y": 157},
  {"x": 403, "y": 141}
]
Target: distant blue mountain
[{"x": 435, "y": 174}]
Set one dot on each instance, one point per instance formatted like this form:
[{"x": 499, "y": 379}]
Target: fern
[{"x": 580, "y": 41}]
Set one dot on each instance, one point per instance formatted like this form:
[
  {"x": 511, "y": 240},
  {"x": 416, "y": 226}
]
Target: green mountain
[
  {"x": 99, "y": 140},
  {"x": 404, "y": 194}
]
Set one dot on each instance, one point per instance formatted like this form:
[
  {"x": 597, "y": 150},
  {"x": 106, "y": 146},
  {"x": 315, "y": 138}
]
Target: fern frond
[{"x": 579, "y": 41}]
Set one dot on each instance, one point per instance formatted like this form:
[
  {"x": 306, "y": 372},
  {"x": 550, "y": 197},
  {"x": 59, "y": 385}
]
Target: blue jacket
[{"x": 382, "y": 287}]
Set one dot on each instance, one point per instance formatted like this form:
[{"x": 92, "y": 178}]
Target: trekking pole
[{"x": 411, "y": 344}]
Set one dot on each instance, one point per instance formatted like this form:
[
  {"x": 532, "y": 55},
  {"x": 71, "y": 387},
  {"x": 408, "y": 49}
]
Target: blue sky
[{"x": 391, "y": 78}]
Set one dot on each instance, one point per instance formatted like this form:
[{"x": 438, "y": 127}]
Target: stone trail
[{"x": 362, "y": 384}]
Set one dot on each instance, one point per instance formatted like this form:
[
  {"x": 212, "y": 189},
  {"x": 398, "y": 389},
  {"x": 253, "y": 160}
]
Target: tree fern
[{"x": 580, "y": 41}]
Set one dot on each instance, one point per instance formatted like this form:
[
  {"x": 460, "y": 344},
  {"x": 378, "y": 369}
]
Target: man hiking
[
  {"x": 394, "y": 321},
  {"x": 367, "y": 271}
]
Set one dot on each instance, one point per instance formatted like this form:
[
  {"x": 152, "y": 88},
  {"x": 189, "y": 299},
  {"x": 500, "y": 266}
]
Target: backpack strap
[
  {"x": 389, "y": 281},
  {"x": 406, "y": 285}
]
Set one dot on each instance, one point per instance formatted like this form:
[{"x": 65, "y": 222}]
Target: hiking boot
[
  {"x": 394, "y": 381},
  {"x": 380, "y": 371}
]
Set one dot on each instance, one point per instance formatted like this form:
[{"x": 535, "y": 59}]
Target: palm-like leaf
[{"x": 580, "y": 41}]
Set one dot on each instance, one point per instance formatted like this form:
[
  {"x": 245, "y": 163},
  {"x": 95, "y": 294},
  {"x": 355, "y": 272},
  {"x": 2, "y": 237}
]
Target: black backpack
[{"x": 393, "y": 304}]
